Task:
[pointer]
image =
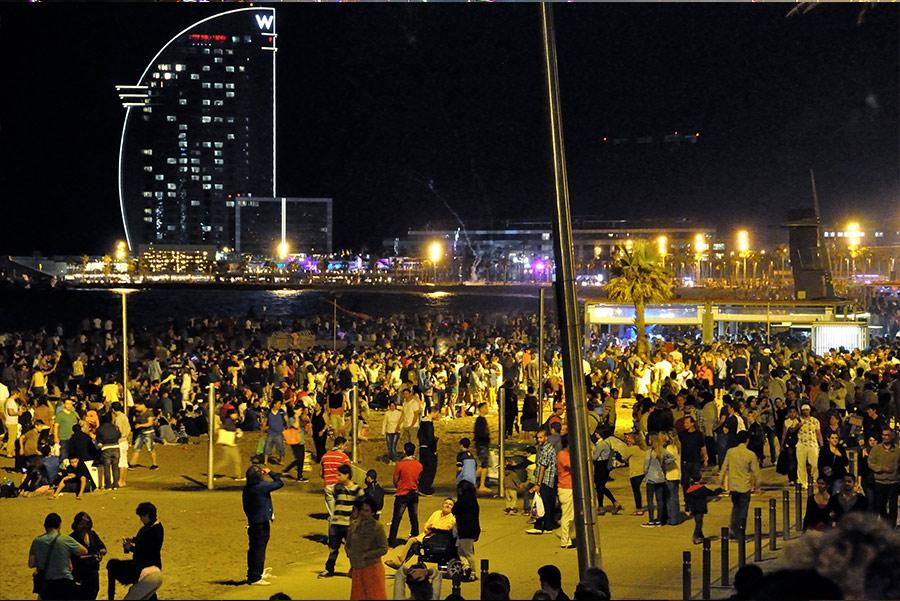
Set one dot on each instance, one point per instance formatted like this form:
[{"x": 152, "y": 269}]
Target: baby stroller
[{"x": 439, "y": 547}]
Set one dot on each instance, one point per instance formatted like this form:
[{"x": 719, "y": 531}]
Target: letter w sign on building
[{"x": 265, "y": 21}]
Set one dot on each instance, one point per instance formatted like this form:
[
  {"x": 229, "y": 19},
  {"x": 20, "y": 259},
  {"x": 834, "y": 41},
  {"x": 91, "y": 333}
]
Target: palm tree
[{"x": 641, "y": 279}]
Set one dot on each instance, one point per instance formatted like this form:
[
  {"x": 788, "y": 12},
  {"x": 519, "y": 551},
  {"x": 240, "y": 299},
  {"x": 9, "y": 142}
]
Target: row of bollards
[{"x": 725, "y": 540}]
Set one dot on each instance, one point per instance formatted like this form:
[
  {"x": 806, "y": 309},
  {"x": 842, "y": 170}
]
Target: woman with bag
[
  {"x": 226, "y": 439},
  {"x": 295, "y": 438}
]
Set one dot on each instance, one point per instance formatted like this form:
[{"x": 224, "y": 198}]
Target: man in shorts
[{"x": 144, "y": 427}]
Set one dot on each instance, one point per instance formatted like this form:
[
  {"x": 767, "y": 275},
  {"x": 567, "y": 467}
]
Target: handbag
[
  {"x": 291, "y": 436},
  {"x": 38, "y": 579}
]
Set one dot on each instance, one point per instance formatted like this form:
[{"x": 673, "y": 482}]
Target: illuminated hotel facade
[{"x": 199, "y": 132}]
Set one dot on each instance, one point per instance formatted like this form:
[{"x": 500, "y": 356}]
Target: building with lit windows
[
  {"x": 199, "y": 133},
  {"x": 170, "y": 259}
]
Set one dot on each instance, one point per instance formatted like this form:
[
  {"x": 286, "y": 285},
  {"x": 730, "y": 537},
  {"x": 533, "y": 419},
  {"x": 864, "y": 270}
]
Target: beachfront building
[{"x": 199, "y": 132}]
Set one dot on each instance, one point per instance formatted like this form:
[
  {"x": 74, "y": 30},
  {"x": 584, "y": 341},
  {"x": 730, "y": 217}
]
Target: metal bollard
[
  {"x": 484, "y": 572},
  {"x": 798, "y": 499},
  {"x": 757, "y": 534},
  {"x": 773, "y": 535},
  {"x": 686, "y": 575},
  {"x": 726, "y": 562},
  {"x": 457, "y": 583},
  {"x": 786, "y": 514},
  {"x": 742, "y": 548},
  {"x": 707, "y": 568}
]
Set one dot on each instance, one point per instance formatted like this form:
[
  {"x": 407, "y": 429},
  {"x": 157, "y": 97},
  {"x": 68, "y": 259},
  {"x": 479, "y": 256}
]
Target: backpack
[{"x": 44, "y": 442}]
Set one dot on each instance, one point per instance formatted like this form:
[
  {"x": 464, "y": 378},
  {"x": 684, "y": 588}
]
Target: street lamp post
[
  {"x": 567, "y": 314},
  {"x": 124, "y": 292}
]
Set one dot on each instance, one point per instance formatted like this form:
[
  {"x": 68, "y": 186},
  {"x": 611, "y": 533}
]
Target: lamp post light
[
  {"x": 700, "y": 247},
  {"x": 124, "y": 292},
  {"x": 853, "y": 236},
  {"x": 435, "y": 254},
  {"x": 662, "y": 248},
  {"x": 743, "y": 246}
]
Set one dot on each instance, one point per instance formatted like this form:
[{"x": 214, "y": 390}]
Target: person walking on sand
[{"x": 366, "y": 545}]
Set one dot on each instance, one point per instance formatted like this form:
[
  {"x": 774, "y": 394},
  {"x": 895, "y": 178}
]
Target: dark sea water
[{"x": 28, "y": 309}]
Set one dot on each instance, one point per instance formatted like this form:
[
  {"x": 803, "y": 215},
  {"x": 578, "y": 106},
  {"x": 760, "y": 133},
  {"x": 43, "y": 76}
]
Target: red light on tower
[{"x": 270, "y": 40}]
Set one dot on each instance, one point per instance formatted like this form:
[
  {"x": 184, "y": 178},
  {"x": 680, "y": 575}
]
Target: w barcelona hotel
[{"x": 197, "y": 159}]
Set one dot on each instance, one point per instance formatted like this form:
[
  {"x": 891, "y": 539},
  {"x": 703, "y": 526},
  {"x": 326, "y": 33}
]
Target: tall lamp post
[
  {"x": 563, "y": 249},
  {"x": 853, "y": 235},
  {"x": 743, "y": 246},
  {"x": 124, "y": 292},
  {"x": 435, "y": 254}
]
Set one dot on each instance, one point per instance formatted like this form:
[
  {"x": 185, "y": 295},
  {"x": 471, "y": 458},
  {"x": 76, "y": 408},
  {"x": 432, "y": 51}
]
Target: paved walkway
[{"x": 641, "y": 562}]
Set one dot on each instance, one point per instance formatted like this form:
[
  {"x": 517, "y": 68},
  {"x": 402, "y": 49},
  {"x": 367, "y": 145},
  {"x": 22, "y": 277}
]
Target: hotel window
[
  {"x": 229, "y": 51},
  {"x": 231, "y": 136},
  {"x": 206, "y": 102},
  {"x": 207, "y": 186},
  {"x": 206, "y": 119},
  {"x": 148, "y": 168},
  {"x": 229, "y": 203},
  {"x": 229, "y": 68},
  {"x": 219, "y": 103},
  {"x": 195, "y": 178},
  {"x": 229, "y": 86},
  {"x": 171, "y": 161},
  {"x": 195, "y": 76},
  {"x": 218, "y": 186},
  {"x": 241, "y": 68},
  {"x": 147, "y": 109},
  {"x": 207, "y": 178},
  {"x": 218, "y": 59},
  {"x": 171, "y": 195},
  {"x": 195, "y": 203},
  {"x": 182, "y": 127},
  {"x": 171, "y": 186},
  {"x": 171, "y": 118},
  {"x": 218, "y": 144},
  {"x": 218, "y": 85},
  {"x": 229, "y": 95},
  {"x": 205, "y": 85},
  {"x": 147, "y": 194},
  {"x": 217, "y": 51},
  {"x": 182, "y": 170},
  {"x": 195, "y": 169},
  {"x": 159, "y": 177},
  {"x": 206, "y": 67},
  {"x": 180, "y": 67}
]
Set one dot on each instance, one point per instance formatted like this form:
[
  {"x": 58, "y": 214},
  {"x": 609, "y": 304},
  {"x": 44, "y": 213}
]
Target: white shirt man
[
  {"x": 809, "y": 439},
  {"x": 11, "y": 413}
]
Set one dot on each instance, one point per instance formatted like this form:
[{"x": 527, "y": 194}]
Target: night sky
[{"x": 401, "y": 111}]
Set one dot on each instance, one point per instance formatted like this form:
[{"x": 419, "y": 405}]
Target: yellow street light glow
[
  {"x": 853, "y": 235},
  {"x": 661, "y": 245},
  {"x": 121, "y": 251},
  {"x": 435, "y": 251},
  {"x": 700, "y": 243},
  {"x": 743, "y": 241},
  {"x": 283, "y": 250}
]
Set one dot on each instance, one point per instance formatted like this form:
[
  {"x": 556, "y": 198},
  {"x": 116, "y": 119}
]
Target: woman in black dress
[
  {"x": 319, "y": 430},
  {"x": 86, "y": 569}
]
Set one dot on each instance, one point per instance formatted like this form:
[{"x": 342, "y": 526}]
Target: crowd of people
[{"x": 705, "y": 419}]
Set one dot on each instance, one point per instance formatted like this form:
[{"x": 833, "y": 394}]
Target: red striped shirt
[{"x": 331, "y": 461}]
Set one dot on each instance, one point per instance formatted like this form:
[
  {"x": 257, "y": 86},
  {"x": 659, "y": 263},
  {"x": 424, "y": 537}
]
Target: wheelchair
[{"x": 440, "y": 548}]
